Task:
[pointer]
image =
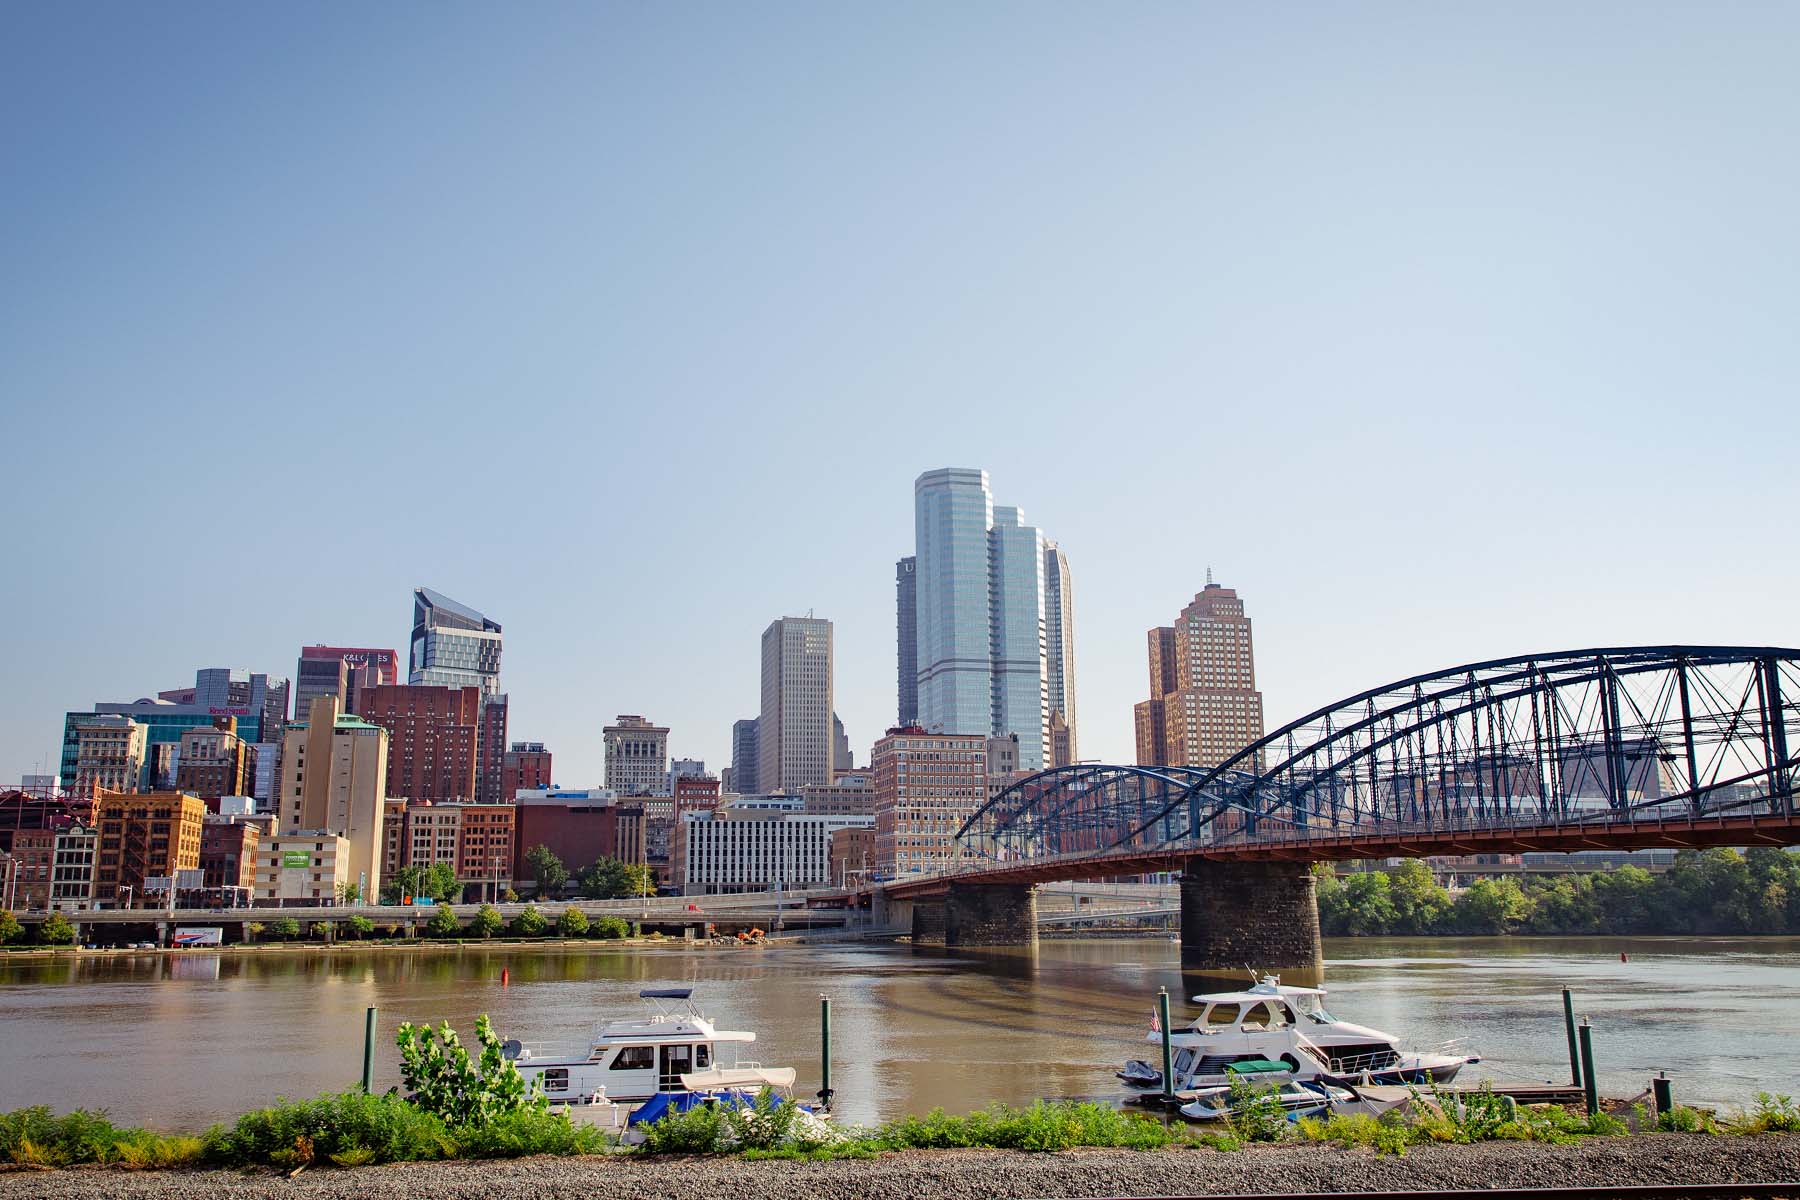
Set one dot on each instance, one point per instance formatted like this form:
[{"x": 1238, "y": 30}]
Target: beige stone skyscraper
[
  {"x": 1203, "y": 706},
  {"x": 334, "y": 781},
  {"x": 793, "y": 734}
]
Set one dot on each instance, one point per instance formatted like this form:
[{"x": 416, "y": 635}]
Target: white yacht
[
  {"x": 674, "y": 1049},
  {"x": 1285, "y": 1032}
]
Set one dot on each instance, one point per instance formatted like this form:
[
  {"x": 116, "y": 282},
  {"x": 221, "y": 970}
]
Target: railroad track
[{"x": 1638, "y": 1191}]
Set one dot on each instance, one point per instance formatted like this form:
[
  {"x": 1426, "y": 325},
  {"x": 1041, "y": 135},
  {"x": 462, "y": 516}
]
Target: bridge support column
[
  {"x": 990, "y": 915},
  {"x": 1260, "y": 915},
  {"x": 929, "y": 922}
]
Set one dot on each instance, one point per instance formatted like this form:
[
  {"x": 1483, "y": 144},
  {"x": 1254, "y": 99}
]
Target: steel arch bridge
[{"x": 1602, "y": 748}]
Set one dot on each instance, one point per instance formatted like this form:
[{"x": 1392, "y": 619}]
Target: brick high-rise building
[
  {"x": 526, "y": 765},
  {"x": 142, "y": 836},
  {"x": 214, "y": 762},
  {"x": 490, "y": 751},
  {"x": 341, "y": 671},
  {"x": 926, "y": 786},
  {"x": 433, "y": 739},
  {"x": 1203, "y": 707},
  {"x": 228, "y": 851}
]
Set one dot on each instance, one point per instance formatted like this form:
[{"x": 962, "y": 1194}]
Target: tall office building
[
  {"x": 341, "y": 671},
  {"x": 235, "y": 692},
  {"x": 490, "y": 750},
  {"x": 746, "y": 778},
  {"x": 637, "y": 756},
  {"x": 1207, "y": 708},
  {"x": 433, "y": 736},
  {"x": 793, "y": 733},
  {"x": 906, "y": 624},
  {"x": 334, "y": 771},
  {"x": 1059, "y": 655},
  {"x": 979, "y": 602},
  {"x": 842, "y": 757},
  {"x": 452, "y": 645}
]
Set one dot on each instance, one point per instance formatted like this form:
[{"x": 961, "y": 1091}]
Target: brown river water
[{"x": 180, "y": 1040}]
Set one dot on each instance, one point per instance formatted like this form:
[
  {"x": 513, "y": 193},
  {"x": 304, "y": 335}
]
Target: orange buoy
[{"x": 505, "y": 975}]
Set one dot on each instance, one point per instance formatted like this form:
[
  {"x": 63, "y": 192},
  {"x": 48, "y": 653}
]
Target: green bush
[
  {"x": 696, "y": 1131},
  {"x": 287, "y": 927},
  {"x": 10, "y": 929},
  {"x": 768, "y": 1123},
  {"x": 362, "y": 927},
  {"x": 33, "y": 1137},
  {"x": 435, "y": 1066},
  {"x": 443, "y": 923},
  {"x": 572, "y": 923},
  {"x": 1772, "y": 1114},
  {"x": 351, "y": 1126},
  {"x": 1256, "y": 1113},
  {"x": 1042, "y": 1126},
  {"x": 487, "y": 922},
  {"x": 611, "y": 928},
  {"x": 528, "y": 1131},
  {"x": 530, "y": 922}
]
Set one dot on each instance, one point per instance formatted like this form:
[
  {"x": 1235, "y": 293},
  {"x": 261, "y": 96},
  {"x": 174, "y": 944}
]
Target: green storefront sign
[{"x": 296, "y": 858}]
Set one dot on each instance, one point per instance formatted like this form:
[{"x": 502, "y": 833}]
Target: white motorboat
[
  {"x": 674, "y": 1049},
  {"x": 1290, "y": 1026}
]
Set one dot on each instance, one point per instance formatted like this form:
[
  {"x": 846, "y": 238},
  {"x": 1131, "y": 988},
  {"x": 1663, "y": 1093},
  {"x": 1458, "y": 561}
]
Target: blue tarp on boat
[{"x": 663, "y": 1103}]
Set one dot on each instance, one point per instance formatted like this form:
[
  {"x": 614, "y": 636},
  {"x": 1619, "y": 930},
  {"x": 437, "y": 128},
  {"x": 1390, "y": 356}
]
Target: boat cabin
[{"x": 634, "y": 1059}]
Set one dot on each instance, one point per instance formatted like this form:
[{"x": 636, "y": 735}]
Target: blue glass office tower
[{"x": 979, "y": 606}]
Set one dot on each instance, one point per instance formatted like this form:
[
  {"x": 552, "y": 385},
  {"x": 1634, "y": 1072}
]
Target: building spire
[{"x": 1209, "y": 581}]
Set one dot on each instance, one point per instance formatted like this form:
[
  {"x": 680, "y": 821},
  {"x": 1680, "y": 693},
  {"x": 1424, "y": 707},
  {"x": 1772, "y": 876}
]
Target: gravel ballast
[{"x": 972, "y": 1174}]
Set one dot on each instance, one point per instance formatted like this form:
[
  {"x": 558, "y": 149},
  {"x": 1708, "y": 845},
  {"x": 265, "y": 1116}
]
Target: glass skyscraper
[
  {"x": 979, "y": 606},
  {"x": 452, "y": 645}
]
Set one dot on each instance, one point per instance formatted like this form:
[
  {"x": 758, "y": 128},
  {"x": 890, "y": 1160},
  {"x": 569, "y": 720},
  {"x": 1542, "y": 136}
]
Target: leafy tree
[
  {"x": 1490, "y": 906},
  {"x": 404, "y": 882},
  {"x": 487, "y": 922},
  {"x": 510, "y": 896},
  {"x": 1420, "y": 904},
  {"x": 361, "y": 926},
  {"x": 1369, "y": 904},
  {"x": 611, "y": 928},
  {"x": 10, "y": 929},
  {"x": 606, "y": 880},
  {"x": 572, "y": 923},
  {"x": 56, "y": 931},
  {"x": 530, "y": 922},
  {"x": 287, "y": 927},
  {"x": 443, "y": 923},
  {"x": 435, "y": 1067},
  {"x": 253, "y": 930},
  {"x": 546, "y": 869},
  {"x": 349, "y": 893},
  {"x": 438, "y": 881}
]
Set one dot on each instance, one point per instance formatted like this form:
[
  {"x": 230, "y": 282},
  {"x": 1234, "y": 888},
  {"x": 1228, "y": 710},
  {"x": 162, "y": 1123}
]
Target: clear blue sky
[{"x": 1441, "y": 331}]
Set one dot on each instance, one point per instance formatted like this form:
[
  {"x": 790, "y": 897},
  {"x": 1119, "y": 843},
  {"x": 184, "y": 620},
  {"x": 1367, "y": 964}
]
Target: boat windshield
[{"x": 1313, "y": 1009}]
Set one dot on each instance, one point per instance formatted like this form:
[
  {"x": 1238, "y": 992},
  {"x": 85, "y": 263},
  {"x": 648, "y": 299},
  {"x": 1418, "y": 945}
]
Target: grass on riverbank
[{"x": 352, "y": 1129}]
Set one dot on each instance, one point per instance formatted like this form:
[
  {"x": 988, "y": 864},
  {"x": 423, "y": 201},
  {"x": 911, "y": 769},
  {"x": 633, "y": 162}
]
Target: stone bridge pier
[
  {"x": 972, "y": 914},
  {"x": 1258, "y": 915}
]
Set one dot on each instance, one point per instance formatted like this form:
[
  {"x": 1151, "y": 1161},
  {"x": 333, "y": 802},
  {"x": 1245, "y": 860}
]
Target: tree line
[
  {"x": 1703, "y": 892},
  {"x": 605, "y": 879}
]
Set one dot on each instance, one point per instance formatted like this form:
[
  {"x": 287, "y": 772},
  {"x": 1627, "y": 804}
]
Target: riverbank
[{"x": 926, "y": 1174}]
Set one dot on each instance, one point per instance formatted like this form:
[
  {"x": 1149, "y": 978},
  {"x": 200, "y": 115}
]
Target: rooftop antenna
[{"x": 1209, "y": 581}]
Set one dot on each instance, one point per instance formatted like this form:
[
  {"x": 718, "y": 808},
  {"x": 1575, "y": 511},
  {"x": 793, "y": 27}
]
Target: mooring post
[
  {"x": 1587, "y": 1067},
  {"x": 369, "y": 1051},
  {"x": 1662, "y": 1088},
  {"x": 1162, "y": 1023},
  {"x": 825, "y": 1051},
  {"x": 1569, "y": 1028}
]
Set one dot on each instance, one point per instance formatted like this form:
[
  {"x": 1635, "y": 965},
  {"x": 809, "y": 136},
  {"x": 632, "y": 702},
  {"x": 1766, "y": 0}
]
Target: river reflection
[{"x": 181, "y": 1040}]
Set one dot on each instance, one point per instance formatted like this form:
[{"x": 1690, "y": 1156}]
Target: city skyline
[{"x": 1425, "y": 333}]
